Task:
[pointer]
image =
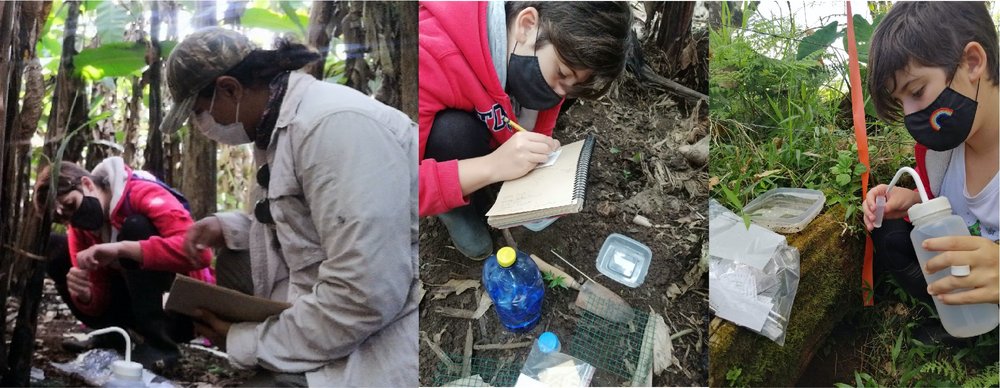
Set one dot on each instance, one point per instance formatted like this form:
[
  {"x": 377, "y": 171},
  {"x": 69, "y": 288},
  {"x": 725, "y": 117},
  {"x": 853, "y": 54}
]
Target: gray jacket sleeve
[
  {"x": 354, "y": 174},
  {"x": 235, "y": 229}
]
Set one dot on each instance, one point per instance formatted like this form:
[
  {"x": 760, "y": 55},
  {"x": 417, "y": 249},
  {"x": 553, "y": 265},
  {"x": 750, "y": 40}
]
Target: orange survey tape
[{"x": 861, "y": 137}]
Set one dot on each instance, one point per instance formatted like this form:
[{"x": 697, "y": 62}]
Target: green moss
[{"x": 829, "y": 288}]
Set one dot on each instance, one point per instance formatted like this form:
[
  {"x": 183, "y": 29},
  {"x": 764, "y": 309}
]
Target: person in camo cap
[{"x": 334, "y": 228}]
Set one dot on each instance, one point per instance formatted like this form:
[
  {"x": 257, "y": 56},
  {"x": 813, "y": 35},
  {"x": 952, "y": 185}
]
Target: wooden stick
[
  {"x": 467, "y": 355},
  {"x": 513, "y": 345},
  {"x": 440, "y": 353},
  {"x": 555, "y": 272},
  {"x": 509, "y": 238}
]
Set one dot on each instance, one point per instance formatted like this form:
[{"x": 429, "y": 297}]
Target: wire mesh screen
[
  {"x": 483, "y": 372},
  {"x": 615, "y": 339}
]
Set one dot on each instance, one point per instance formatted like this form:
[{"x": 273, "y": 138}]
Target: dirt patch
[
  {"x": 197, "y": 367},
  {"x": 635, "y": 169}
]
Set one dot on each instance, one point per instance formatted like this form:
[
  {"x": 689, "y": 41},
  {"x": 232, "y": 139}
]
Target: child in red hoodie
[
  {"x": 484, "y": 62},
  {"x": 934, "y": 65},
  {"x": 123, "y": 244}
]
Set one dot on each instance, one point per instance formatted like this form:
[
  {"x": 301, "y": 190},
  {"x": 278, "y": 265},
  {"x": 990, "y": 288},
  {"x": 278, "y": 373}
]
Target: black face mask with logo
[
  {"x": 90, "y": 214},
  {"x": 946, "y": 122},
  {"x": 527, "y": 84}
]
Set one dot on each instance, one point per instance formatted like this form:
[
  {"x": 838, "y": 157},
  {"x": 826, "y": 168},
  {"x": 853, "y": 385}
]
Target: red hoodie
[
  {"x": 456, "y": 71},
  {"x": 159, "y": 253}
]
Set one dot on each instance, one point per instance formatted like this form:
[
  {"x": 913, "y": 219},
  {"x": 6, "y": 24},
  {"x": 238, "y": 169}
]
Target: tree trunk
[
  {"x": 198, "y": 179},
  {"x": 320, "y": 17},
  {"x": 19, "y": 41},
  {"x": 356, "y": 70},
  {"x": 153, "y": 77},
  {"x": 69, "y": 101},
  {"x": 172, "y": 153},
  {"x": 673, "y": 29},
  {"x": 408, "y": 64}
]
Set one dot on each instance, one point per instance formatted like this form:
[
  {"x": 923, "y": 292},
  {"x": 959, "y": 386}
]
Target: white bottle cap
[
  {"x": 922, "y": 210},
  {"x": 127, "y": 369},
  {"x": 960, "y": 270}
]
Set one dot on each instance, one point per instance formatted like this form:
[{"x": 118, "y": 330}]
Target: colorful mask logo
[{"x": 937, "y": 115}]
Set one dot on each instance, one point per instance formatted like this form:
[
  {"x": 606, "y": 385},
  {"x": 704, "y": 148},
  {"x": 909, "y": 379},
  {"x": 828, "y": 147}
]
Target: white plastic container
[
  {"x": 932, "y": 219},
  {"x": 785, "y": 210}
]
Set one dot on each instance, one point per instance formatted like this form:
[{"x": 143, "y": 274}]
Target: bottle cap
[
  {"x": 128, "y": 369},
  {"x": 548, "y": 342},
  {"x": 506, "y": 256},
  {"x": 925, "y": 209},
  {"x": 960, "y": 270}
]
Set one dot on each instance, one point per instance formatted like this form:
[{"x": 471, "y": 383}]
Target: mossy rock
[{"x": 829, "y": 288}]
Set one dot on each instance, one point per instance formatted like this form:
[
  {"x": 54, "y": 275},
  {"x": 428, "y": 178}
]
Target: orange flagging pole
[{"x": 861, "y": 137}]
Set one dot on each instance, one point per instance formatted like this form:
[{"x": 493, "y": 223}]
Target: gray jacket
[{"x": 343, "y": 194}]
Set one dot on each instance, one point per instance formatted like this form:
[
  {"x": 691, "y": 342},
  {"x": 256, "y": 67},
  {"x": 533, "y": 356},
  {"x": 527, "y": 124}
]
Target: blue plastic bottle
[{"x": 514, "y": 283}]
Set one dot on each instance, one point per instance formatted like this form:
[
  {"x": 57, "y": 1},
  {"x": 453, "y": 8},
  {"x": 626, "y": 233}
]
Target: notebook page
[{"x": 541, "y": 188}]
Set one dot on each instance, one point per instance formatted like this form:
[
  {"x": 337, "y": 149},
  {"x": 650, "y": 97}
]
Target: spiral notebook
[{"x": 547, "y": 191}]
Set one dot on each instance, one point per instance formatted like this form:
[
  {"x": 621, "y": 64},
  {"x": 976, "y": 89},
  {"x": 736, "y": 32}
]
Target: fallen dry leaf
[
  {"x": 662, "y": 347},
  {"x": 454, "y": 286}
]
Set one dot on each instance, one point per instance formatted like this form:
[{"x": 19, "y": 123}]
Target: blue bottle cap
[{"x": 548, "y": 342}]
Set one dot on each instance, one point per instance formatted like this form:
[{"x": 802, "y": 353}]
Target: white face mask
[{"x": 232, "y": 134}]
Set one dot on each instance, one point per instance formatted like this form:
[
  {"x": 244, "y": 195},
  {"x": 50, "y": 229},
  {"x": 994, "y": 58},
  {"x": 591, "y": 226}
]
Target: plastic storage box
[
  {"x": 785, "y": 210},
  {"x": 624, "y": 260}
]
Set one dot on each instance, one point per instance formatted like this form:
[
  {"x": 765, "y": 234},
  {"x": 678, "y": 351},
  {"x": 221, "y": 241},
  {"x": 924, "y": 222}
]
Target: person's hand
[
  {"x": 211, "y": 327},
  {"x": 98, "y": 256},
  {"x": 204, "y": 234},
  {"x": 520, "y": 154},
  {"x": 980, "y": 254},
  {"x": 78, "y": 282},
  {"x": 896, "y": 204}
]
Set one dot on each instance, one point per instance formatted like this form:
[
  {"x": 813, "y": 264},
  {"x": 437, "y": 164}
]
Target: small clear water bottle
[
  {"x": 931, "y": 219},
  {"x": 514, "y": 283}
]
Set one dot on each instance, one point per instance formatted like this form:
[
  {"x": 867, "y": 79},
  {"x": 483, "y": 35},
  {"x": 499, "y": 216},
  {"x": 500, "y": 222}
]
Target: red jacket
[
  {"x": 160, "y": 253},
  {"x": 456, "y": 71}
]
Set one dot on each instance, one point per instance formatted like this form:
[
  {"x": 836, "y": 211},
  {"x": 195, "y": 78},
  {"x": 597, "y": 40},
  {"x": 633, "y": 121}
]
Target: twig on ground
[
  {"x": 467, "y": 354},
  {"x": 513, "y": 345}
]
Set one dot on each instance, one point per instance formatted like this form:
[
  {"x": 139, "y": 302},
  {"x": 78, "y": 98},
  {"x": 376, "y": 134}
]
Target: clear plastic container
[
  {"x": 879, "y": 211},
  {"x": 934, "y": 219},
  {"x": 785, "y": 210},
  {"x": 514, "y": 283},
  {"x": 624, "y": 260},
  {"x": 537, "y": 226}
]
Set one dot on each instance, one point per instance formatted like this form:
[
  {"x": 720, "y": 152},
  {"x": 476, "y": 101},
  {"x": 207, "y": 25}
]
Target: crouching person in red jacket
[{"x": 123, "y": 245}]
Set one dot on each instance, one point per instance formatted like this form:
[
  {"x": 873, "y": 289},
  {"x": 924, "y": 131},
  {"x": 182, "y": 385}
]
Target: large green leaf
[
  {"x": 863, "y": 34},
  {"x": 266, "y": 19},
  {"x": 111, "y": 60},
  {"x": 111, "y": 22},
  {"x": 819, "y": 40}
]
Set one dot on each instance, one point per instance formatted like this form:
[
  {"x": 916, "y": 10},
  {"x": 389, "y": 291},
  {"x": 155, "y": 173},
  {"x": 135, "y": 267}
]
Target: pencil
[{"x": 513, "y": 124}]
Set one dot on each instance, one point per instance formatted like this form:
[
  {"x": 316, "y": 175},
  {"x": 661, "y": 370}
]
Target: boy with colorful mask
[
  {"x": 482, "y": 63},
  {"x": 942, "y": 81}
]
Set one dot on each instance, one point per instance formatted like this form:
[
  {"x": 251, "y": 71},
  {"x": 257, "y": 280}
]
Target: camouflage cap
[{"x": 195, "y": 63}]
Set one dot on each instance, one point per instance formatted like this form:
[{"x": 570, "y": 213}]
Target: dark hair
[
  {"x": 261, "y": 66},
  {"x": 586, "y": 35},
  {"x": 68, "y": 180},
  {"x": 932, "y": 34}
]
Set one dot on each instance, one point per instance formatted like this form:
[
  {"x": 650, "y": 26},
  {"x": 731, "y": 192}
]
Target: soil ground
[
  {"x": 197, "y": 367},
  {"x": 638, "y": 132}
]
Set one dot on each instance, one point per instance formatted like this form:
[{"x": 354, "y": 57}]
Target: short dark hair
[
  {"x": 261, "y": 66},
  {"x": 587, "y": 35},
  {"x": 932, "y": 34}
]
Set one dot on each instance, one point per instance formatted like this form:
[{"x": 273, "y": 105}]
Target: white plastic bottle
[
  {"x": 932, "y": 219},
  {"x": 124, "y": 373}
]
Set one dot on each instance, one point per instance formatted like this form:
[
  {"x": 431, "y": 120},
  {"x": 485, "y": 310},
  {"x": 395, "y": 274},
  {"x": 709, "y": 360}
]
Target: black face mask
[
  {"x": 90, "y": 214},
  {"x": 527, "y": 84},
  {"x": 945, "y": 123}
]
